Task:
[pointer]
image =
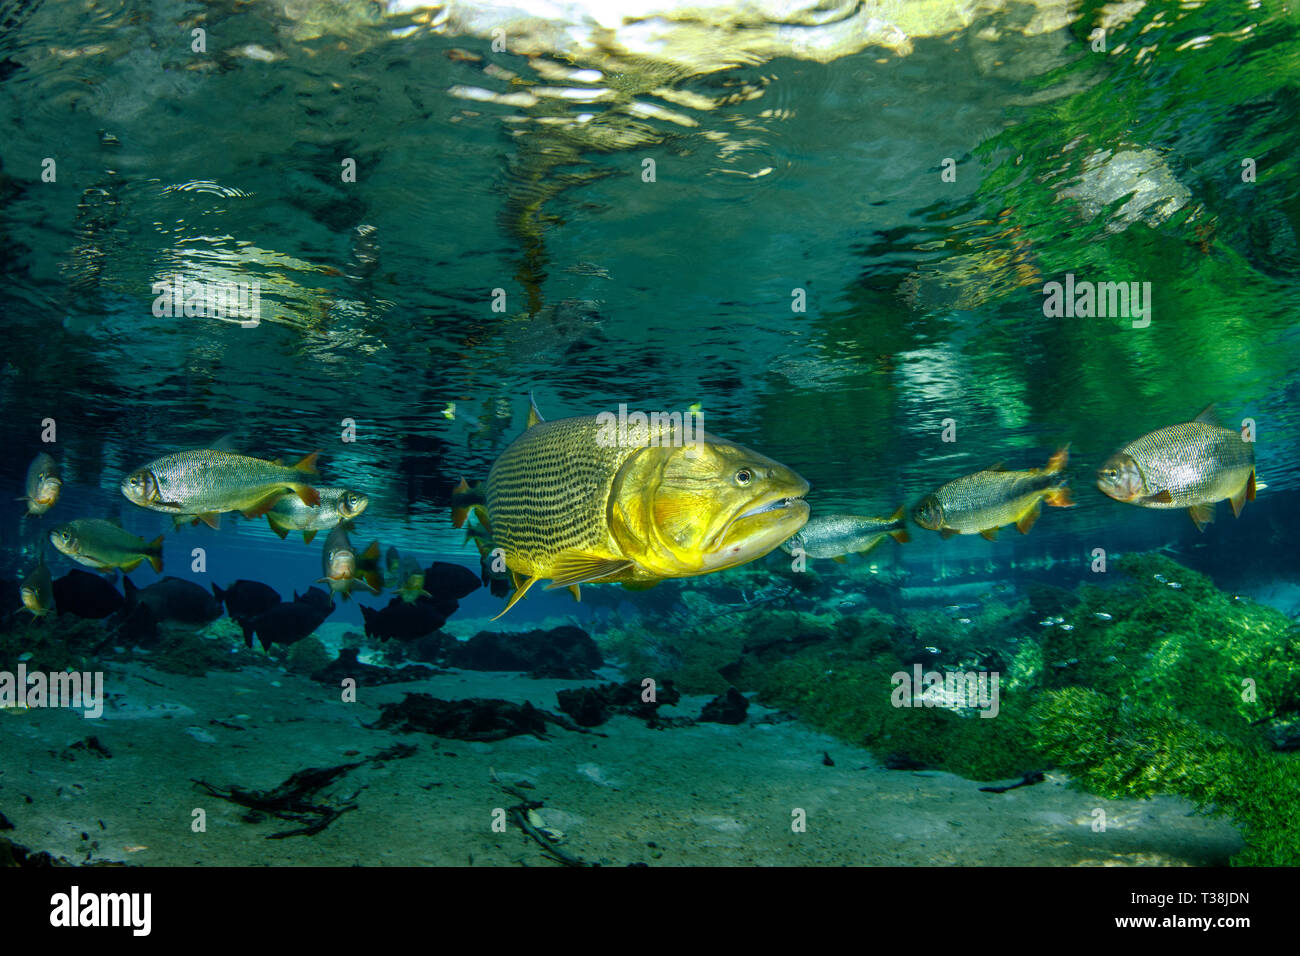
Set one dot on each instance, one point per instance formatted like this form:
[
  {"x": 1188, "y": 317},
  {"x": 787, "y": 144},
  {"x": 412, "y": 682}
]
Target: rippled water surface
[{"x": 919, "y": 191}]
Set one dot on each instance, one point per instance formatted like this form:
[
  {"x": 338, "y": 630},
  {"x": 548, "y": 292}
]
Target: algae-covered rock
[
  {"x": 307, "y": 656},
  {"x": 1152, "y": 682},
  {"x": 182, "y": 651}
]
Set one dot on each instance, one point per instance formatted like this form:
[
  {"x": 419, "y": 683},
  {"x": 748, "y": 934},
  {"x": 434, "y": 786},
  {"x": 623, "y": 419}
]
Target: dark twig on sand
[{"x": 519, "y": 814}]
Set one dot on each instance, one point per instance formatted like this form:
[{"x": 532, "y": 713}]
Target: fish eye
[{"x": 743, "y": 476}]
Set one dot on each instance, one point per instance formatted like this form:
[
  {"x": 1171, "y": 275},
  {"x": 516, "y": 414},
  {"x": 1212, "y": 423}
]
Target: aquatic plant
[{"x": 1156, "y": 683}]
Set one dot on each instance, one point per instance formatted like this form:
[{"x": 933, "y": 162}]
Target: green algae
[{"x": 1155, "y": 682}]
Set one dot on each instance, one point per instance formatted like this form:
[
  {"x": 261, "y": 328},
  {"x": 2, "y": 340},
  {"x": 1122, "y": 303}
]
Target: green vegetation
[{"x": 1175, "y": 692}]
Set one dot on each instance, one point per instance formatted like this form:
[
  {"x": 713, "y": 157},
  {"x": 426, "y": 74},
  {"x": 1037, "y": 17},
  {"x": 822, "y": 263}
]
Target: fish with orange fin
[
  {"x": 103, "y": 545},
  {"x": 985, "y": 501},
  {"x": 201, "y": 485},
  {"x": 1193, "y": 465},
  {"x": 344, "y": 569}
]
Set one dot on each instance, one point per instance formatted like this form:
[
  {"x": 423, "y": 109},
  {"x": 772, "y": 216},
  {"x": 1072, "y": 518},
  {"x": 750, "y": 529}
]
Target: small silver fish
[
  {"x": 1067, "y": 627},
  {"x": 1102, "y": 616},
  {"x": 1175, "y": 585},
  {"x": 1160, "y": 577}
]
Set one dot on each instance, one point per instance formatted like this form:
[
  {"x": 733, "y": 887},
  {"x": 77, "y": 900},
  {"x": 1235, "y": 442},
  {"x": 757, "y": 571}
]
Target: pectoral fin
[
  {"x": 276, "y": 528},
  {"x": 1202, "y": 515},
  {"x": 576, "y": 568},
  {"x": 1162, "y": 497}
]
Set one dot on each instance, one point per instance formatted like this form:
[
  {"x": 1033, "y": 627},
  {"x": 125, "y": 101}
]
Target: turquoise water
[{"x": 843, "y": 249}]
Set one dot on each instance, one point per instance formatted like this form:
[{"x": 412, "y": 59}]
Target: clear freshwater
[{"x": 831, "y": 232}]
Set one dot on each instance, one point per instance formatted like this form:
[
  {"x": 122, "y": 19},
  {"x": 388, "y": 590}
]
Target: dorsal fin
[
  {"x": 1208, "y": 416},
  {"x": 534, "y": 416},
  {"x": 226, "y": 443},
  {"x": 997, "y": 466}
]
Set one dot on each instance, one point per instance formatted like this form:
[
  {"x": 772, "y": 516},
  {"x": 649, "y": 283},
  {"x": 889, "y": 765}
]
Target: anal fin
[
  {"x": 519, "y": 593},
  {"x": 1029, "y": 517},
  {"x": 1239, "y": 499},
  {"x": 1202, "y": 515}
]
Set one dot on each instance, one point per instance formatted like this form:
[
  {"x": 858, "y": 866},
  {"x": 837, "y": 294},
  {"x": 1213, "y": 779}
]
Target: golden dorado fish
[
  {"x": 38, "y": 589},
  {"x": 205, "y": 483},
  {"x": 44, "y": 483},
  {"x": 985, "y": 501},
  {"x": 836, "y": 536},
  {"x": 569, "y": 501},
  {"x": 344, "y": 569},
  {"x": 336, "y": 505},
  {"x": 1193, "y": 465},
  {"x": 104, "y": 545}
]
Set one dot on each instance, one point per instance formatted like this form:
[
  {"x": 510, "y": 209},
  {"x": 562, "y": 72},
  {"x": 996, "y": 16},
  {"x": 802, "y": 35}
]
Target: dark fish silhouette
[
  {"x": 407, "y": 620},
  {"x": 288, "y": 623},
  {"x": 452, "y": 581},
  {"x": 247, "y": 598},
  {"x": 87, "y": 595},
  {"x": 317, "y": 598},
  {"x": 174, "y": 599}
]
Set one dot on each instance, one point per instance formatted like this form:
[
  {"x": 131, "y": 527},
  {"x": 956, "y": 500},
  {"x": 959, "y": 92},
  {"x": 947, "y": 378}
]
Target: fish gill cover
[{"x": 791, "y": 389}]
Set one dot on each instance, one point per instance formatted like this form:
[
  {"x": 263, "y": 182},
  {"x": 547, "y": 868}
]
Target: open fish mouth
[
  {"x": 791, "y": 504},
  {"x": 775, "y": 505}
]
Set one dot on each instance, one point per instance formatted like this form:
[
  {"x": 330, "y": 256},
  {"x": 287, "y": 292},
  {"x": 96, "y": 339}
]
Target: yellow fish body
[
  {"x": 985, "y": 501},
  {"x": 570, "y": 502}
]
